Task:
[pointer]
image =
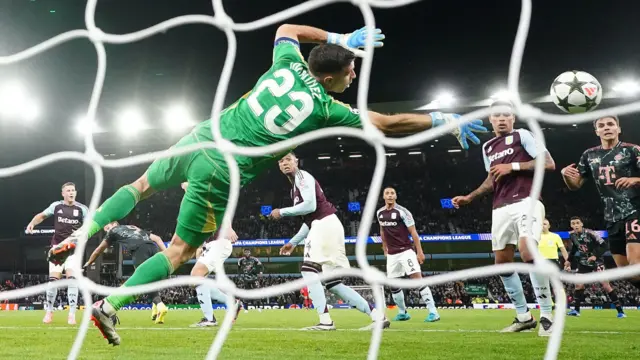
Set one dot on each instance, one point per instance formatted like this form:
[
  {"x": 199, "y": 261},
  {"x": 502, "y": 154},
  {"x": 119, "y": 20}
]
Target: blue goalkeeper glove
[
  {"x": 462, "y": 132},
  {"x": 356, "y": 40}
]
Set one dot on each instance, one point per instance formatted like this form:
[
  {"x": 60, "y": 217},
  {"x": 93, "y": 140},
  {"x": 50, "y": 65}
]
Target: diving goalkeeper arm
[{"x": 353, "y": 41}]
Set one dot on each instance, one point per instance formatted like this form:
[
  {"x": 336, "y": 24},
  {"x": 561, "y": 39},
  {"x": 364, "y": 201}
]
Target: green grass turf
[{"x": 274, "y": 334}]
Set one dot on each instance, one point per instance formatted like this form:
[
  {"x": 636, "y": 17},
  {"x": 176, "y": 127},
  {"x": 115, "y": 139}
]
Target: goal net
[{"x": 372, "y": 276}]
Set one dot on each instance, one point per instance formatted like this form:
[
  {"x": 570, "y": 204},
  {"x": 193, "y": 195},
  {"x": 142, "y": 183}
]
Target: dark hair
[
  {"x": 576, "y": 218},
  {"x": 67, "y": 184},
  {"x": 389, "y": 187},
  {"x": 329, "y": 59},
  {"x": 605, "y": 117}
]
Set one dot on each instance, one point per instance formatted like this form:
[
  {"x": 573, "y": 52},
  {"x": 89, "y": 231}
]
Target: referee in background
[{"x": 549, "y": 245}]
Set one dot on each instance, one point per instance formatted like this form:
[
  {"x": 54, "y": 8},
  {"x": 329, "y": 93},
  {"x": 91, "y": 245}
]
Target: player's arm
[
  {"x": 600, "y": 246},
  {"x": 40, "y": 217},
  {"x": 307, "y": 186},
  {"x": 384, "y": 241},
  {"x": 259, "y": 266},
  {"x": 308, "y": 34},
  {"x": 97, "y": 252},
  {"x": 156, "y": 239},
  {"x": 575, "y": 176},
  {"x": 629, "y": 182},
  {"x": 299, "y": 237},
  {"x": 416, "y": 243}
]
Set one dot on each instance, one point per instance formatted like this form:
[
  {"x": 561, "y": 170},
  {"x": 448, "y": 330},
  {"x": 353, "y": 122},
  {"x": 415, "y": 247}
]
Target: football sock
[
  {"x": 427, "y": 297},
  {"x": 115, "y": 208},
  {"x": 52, "y": 293},
  {"x": 204, "y": 298},
  {"x": 513, "y": 286},
  {"x": 156, "y": 268},
  {"x": 398, "y": 298},
  {"x": 614, "y": 299},
  {"x": 72, "y": 296},
  {"x": 351, "y": 297},
  {"x": 316, "y": 293},
  {"x": 542, "y": 290},
  {"x": 579, "y": 298}
]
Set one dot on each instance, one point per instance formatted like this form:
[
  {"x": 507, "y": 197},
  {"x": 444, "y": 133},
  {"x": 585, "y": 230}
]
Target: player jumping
[
  {"x": 509, "y": 159},
  {"x": 142, "y": 245},
  {"x": 592, "y": 247},
  {"x": 290, "y": 99},
  {"x": 68, "y": 216},
  {"x": 396, "y": 224},
  {"x": 250, "y": 271},
  {"x": 614, "y": 167},
  {"x": 324, "y": 250}
]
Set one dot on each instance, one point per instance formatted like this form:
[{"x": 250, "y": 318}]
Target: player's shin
[
  {"x": 156, "y": 268},
  {"x": 427, "y": 297},
  {"x": 513, "y": 286},
  {"x": 310, "y": 272},
  {"x": 579, "y": 299},
  {"x": 52, "y": 293},
  {"x": 204, "y": 298},
  {"x": 614, "y": 300},
  {"x": 350, "y": 296},
  {"x": 542, "y": 290},
  {"x": 72, "y": 296},
  {"x": 398, "y": 298},
  {"x": 115, "y": 208}
]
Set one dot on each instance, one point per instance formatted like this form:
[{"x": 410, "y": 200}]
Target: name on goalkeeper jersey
[{"x": 309, "y": 80}]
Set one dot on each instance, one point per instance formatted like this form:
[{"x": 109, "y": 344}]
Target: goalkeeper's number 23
[{"x": 296, "y": 114}]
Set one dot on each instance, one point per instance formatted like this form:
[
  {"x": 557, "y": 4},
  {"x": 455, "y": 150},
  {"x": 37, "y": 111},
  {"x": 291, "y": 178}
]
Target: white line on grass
[{"x": 296, "y": 329}]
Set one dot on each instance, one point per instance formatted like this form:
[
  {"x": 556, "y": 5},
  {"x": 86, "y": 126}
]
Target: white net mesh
[{"x": 371, "y": 275}]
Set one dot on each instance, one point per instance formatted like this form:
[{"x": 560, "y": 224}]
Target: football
[{"x": 576, "y": 92}]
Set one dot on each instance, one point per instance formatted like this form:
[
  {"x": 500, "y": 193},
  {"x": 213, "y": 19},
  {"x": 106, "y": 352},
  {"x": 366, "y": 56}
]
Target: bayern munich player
[
  {"x": 396, "y": 224},
  {"x": 324, "y": 244},
  {"x": 68, "y": 216},
  {"x": 509, "y": 159},
  {"x": 614, "y": 167}
]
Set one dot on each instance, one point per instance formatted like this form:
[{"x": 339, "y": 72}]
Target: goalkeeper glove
[
  {"x": 463, "y": 131},
  {"x": 356, "y": 40}
]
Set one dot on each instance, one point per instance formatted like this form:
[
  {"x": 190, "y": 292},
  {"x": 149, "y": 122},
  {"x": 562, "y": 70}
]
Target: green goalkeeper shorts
[{"x": 205, "y": 199}]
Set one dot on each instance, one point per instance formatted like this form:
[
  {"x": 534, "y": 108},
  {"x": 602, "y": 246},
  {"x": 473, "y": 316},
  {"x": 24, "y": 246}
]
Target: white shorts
[
  {"x": 324, "y": 244},
  {"x": 509, "y": 223},
  {"x": 401, "y": 264},
  {"x": 53, "y": 268},
  {"x": 215, "y": 252}
]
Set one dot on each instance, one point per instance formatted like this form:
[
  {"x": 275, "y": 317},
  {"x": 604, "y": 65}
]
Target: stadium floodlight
[
  {"x": 627, "y": 88},
  {"x": 16, "y": 103},
  {"x": 355, "y": 155},
  {"x": 416, "y": 152},
  {"x": 84, "y": 126},
  {"x": 445, "y": 99},
  {"x": 454, "y": 150},
  {"x": 177, "y": 117},
  {"x": 324, "y": 157},
  {"x": 391, "y": 154},
  {"x": 131, "y": 121}
]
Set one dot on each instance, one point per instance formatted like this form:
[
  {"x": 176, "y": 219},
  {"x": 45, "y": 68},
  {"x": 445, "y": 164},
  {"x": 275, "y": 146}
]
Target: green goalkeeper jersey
[{"x": 286, "y": 101}]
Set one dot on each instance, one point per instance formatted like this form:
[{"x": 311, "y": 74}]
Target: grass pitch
[{"x": 274, "y": 334}]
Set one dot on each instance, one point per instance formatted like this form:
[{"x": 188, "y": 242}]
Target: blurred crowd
[
  {"x": 453, "y": 293},
  {"x": 418, "y": 189}
]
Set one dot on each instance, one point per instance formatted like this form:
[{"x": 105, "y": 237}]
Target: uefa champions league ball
[{"x": 576, "y": 92}]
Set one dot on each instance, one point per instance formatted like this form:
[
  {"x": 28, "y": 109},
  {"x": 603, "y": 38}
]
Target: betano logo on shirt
[
  {"x": 388, "y": 223},
  {"x": 68, "y": 221},
  {"x": 500, "y": 155}
]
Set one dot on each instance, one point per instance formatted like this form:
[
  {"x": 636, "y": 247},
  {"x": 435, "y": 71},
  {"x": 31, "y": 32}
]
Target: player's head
[
  {"x": 546, "y": 226},
  {"x": 246, "y": 252},
  {"x": 389, "y": 195},
  {"x": 110, "y": 225},
  {"x": 69, "y": 192},
  {"x": 576, "y": 224},
  {"x": 288, "y": 164},
  {"x": 607, "y": 128},
  {"x": 502, "y": 117},
  {"x": 333, "y": 66}
]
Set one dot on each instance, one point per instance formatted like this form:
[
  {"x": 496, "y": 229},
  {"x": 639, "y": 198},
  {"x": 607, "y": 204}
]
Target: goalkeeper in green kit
[{"x": 290, "y": 99}]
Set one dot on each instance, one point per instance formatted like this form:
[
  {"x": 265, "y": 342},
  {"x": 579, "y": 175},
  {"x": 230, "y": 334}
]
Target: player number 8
[{"x": 296, "y": 115}]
